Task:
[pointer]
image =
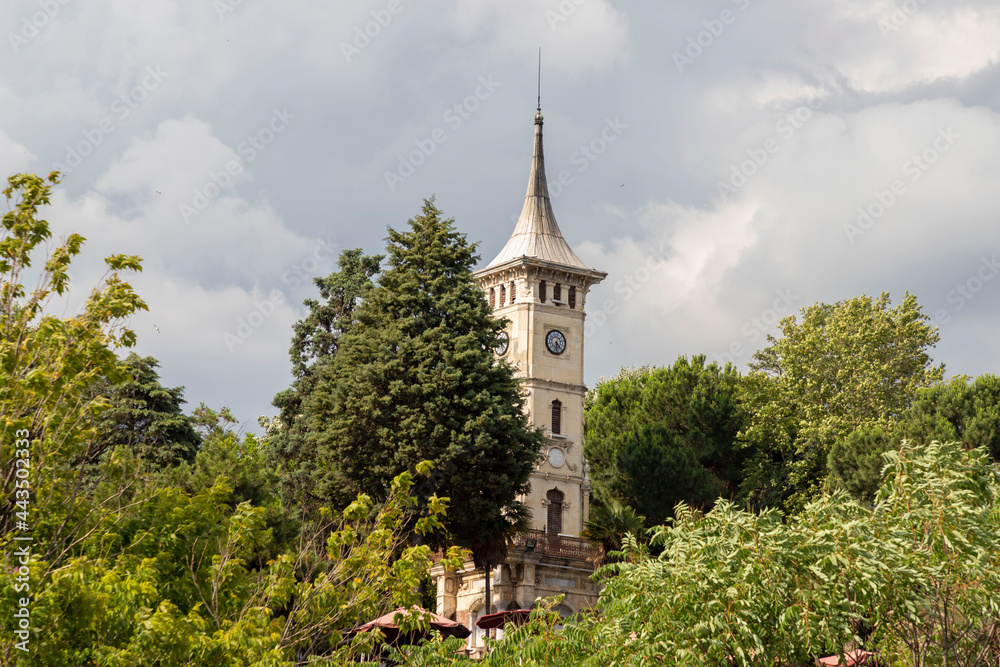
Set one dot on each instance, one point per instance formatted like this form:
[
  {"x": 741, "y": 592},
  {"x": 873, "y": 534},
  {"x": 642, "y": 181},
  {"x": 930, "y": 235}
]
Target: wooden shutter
[{"x": 554, "y": 523}]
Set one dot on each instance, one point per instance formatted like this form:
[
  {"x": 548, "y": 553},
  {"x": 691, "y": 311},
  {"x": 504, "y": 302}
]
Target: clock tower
[{"x": 540, "y": 286}]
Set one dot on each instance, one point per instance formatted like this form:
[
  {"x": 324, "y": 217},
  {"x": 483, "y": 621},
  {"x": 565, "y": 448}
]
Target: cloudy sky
[{"x": 725, "y": 161}]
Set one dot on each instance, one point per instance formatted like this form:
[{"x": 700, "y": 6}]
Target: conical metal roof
[{"x": 537, "y": 234}]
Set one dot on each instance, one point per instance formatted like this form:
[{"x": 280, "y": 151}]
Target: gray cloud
[{"x": 689, "y": 270}]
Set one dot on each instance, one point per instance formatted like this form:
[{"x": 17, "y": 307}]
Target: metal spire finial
[{"x": 539, "y": 78}]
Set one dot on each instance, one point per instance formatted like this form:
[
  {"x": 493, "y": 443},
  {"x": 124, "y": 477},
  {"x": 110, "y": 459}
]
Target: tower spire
[{"x": 537, "y": 234}]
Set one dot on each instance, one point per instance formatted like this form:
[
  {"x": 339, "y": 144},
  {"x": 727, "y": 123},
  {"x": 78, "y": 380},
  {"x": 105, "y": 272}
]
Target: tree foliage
[
  {"x": 48, "y": 367},
  {"x": 655, "y": 437},
  {"x": 315, "y": 342},
  {"x": 913, "y": 578},
  {"x": 610, "y": 525},
  {"x": 146, "y": 416},
  {"x": 142, "y": 567},
  {"x": 957, "y": 410},
  {"x": 415, "y": 378},
  {"x": 846, "y": 365}
]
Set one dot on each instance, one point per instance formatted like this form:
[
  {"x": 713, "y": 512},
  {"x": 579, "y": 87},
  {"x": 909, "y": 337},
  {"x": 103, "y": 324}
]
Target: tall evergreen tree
[
  {"x": 415, "y": 378},
  {"x": 315, "y": 342},
  {"x": 146, "y": 416}
]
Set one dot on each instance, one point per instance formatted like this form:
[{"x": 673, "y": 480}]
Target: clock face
[
  {"x": 556, "y": 457},
  {"x": 503, "y": 344},
  {"x": 555, "y": 341}
]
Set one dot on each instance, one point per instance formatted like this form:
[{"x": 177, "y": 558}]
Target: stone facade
[{"x": 541, "y": 287}]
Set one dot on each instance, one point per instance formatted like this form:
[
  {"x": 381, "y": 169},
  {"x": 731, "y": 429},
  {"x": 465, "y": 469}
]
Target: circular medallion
[
  {"x": 556, "y": 457},
  {"x": 503, "y": 343},
  {"x": 555, "y": 341}
]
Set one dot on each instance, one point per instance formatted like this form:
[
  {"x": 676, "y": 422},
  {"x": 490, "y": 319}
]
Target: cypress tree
[{"x": 415, "y": 378}]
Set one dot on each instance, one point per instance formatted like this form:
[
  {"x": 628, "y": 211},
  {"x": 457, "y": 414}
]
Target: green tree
[
  {"x": 415, "y": 378},
  {"x": 904, "y": 578},
  {"x": 843, "y": 366},
  {"x": 855, "y": 461},
  {"x": 132, "y": 570},
  {"x": 315, "y": 342},
  {"x": 656, "y": 437},
  {"x": 240, "y": 460},
  {"x": 957, "y": 410},
  {"x": 48, "y": 368},
  {"x": 146, "y": 416},
  {"x": 609, "y": 525}
]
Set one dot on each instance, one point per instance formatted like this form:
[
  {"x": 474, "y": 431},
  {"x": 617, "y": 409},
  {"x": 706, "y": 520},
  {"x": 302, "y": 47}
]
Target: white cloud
[
  {"x": 724, "y": 262},
  {"x": 14, "y": 157},
  {"x": 784, "y": 232},
  {"x": 894, "y": 48}
]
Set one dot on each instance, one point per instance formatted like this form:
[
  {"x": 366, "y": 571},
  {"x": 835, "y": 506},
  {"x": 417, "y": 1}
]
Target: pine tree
[
  {"x": 415, "y": 378},
  {"x": 146, "y": 416},
  {"x": 659, "y": 436},
  {"x": 315, "y": 342}
]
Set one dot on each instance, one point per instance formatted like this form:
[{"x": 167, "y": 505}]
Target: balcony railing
[{"x": 550, "y": 544}]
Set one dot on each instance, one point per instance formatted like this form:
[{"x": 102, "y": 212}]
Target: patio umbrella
[
  {"x": 387, "y": 625},
  {"x": 851, "y": 659},
  {"x": 502, "y": 618}
]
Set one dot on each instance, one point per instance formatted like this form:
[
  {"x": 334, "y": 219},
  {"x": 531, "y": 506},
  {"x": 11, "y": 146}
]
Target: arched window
[
  {"x": 513, "y": 291},
  {"x": 572, "y": 297},
  {"x": 557, "y": 292},
  {"x": 556, "y": 417},
  {"x": 541, "y": 291},
  {"x": 503, "y": 294},
  {"x": 555, "y": 498}
]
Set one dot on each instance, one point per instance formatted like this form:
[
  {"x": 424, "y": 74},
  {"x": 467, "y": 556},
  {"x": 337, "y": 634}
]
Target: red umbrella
[
  {"x": 851, "y": 658},
  {"x": 387, "y": 624},
  {"x": 502, "y": 618}
]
